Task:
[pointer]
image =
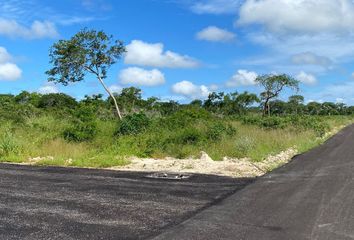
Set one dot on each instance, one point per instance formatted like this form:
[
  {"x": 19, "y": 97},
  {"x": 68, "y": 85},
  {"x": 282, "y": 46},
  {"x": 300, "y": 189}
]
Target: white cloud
[
  {"x": 190, "y": 90},
  {"x": 299, "y": 16},
  {"x": 332, "y": 92},
  {"x": 242, "y": 78},
  {"x": 115, "y": 89},
  {"x": 215, "y": 34},
  {"x": 4, "y": 55},
  {"x": 153, "y": 55},
  {"x": 309, "y": 58},
  {"x": 141, "y": 77},
  {"x": 48, "y": 88},
  {"x": 8, "y": 70},
  {"x": 38, "y": 29},
  {"x": 306, "y": 78},
  {"x": 340, "y": 100},
  {"x": 353, "y": 75},
  {"x": 216, "y": 6}
]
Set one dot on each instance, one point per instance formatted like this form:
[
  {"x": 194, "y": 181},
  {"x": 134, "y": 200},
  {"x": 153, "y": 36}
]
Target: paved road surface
[
  {"x": 310, "y": 198},
  {"x": 58, "y": 203}
]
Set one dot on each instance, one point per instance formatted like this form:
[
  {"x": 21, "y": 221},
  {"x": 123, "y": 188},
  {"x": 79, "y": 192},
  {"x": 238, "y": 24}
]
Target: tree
[
  {"x": 296, "y": 103},
  {"x": 214, "y": 101},
  {"x": 60, "y": 100},
  {"x": 235, "y": 103},
  {"x": 88, "y": 51},
  {"x": 245, "y": 100},
  {"x": 130, "y": 97},
  {"x": 273, "y": 85}
]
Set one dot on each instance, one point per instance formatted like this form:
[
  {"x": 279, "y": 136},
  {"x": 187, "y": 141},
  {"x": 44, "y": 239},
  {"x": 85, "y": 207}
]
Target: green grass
[{"x": 42, "y": 137}]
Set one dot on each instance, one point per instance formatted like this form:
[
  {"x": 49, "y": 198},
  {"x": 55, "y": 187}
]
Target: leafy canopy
[
  {"x": 274, "y": 84},
  {"x": 87, "y": 51}
]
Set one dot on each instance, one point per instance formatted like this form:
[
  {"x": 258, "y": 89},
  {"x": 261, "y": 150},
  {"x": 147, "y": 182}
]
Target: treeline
[{"x": 130, "y": 99}]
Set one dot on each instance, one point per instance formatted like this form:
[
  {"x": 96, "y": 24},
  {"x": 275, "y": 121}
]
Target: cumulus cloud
[
  {"x": 190, "y": 90},
  {"x": 141, "y": 77},
  {"x": 115, "y": 89},
  {"x": 309, "y": 58},
  {"x": 242, "y": 78},
  {"x": 297, "y": 16},
  {"x": 38, "y": 29},
  {"x": 48, "y": 88},
  {"x": 4, "y": 55},
  {"x": 215, "y": 34},
  {"x": 153, "y": 55},
  {"x": 8, "y": 70},
  {"x": 215, "y": 6},
  {"x": 306, "y": 78}
]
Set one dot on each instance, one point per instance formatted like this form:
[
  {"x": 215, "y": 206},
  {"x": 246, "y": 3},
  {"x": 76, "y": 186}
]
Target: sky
[{"x": 184, "y": 49}]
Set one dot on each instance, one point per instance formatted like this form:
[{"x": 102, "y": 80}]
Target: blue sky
[{"x": 185, "y": 49}]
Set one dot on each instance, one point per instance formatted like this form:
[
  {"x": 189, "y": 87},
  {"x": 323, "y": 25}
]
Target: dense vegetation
[
  {"x": 58, "y": 129},
  {"x": 65, "y": 131}
]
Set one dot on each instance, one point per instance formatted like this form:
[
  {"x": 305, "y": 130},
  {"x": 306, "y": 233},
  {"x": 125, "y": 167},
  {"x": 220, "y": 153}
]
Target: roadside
[{"x": 230, "y": 167}]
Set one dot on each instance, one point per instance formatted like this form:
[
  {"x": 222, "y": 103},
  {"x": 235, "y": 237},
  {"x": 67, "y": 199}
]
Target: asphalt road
[
  {"x": 59, "y": 203},
  {"x": 312, "y": 197}
]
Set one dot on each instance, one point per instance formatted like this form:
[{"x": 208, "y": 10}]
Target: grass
[{"x": 42, "y": 137}]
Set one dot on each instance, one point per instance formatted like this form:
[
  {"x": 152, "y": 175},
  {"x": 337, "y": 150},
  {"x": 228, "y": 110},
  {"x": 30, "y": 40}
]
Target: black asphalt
[
  {"x": 60, "y": 203},
  {"x": 312, "y": 197}
]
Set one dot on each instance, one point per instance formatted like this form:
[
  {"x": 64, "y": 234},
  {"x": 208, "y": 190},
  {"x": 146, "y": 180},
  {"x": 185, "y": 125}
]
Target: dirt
[{"x": 227, "y": 167}]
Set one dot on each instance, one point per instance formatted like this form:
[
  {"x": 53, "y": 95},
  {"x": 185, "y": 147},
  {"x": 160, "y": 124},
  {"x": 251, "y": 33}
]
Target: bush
[
  {"x": 189, "y": 136},
  {"x": 8, "y": 144},
  {"x": 133, "y": 124},
  {"x": 185, "y": 117},
  {"x": 84, "y": 127},
  {"x": 273, "y": 122},
  {"x": 244, "y": 145},
  {"x": 217, "y": 130},
  {"x": 81, "y": 131}
]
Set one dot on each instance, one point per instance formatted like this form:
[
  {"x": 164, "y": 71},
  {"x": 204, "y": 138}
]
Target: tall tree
[
  {"x": 88, "y": 51},
  {"x": 296, "y": 104},
  {"x": 273, "y": 86}
]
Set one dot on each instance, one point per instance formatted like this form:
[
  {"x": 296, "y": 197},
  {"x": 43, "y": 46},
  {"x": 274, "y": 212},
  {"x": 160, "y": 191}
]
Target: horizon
[{"x": 183, "y": 50}]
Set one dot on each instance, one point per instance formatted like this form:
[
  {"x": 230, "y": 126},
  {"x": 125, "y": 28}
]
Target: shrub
[
  {"x": 81, "y": 131},
  {"x": 189, "y": 136},
  {"x": 185, "y": 117},
  {"x": 8, "y": 144},
  {"x": 217, "y": 130},
  {"x": 244, "y": 145},
  {"x": 273, "y": 122},
  {"x": 133, "y": 124},
  {"x": 84, "y": 127}
]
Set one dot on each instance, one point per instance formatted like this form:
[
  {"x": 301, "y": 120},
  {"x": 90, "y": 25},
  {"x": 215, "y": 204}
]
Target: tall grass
[{"x": 42, "y": 136}]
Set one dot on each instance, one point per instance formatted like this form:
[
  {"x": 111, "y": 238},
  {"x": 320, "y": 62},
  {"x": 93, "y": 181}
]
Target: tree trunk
[
  {"x": 266, "y": 110},
  {"x": 112, "y": 96}
]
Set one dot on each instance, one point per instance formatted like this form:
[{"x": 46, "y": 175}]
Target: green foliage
[
  {"x": 216, "y": 131},
  {"x": 273, "y": 85},
  {"x": 57, "y": 100},
  {"x": 88, "y": 51},
  {"x": 244, "y": 145},
  {"x": 133, "y": 124},
  {"x": 8, "y": 144},
  {"x": 86, "y": 133},
  {"x": 189, "y": 136},
  {"x": 84, "y": 127},
  {"x": 296, "y": 122},
  {"x": 186, "y": 117}
]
